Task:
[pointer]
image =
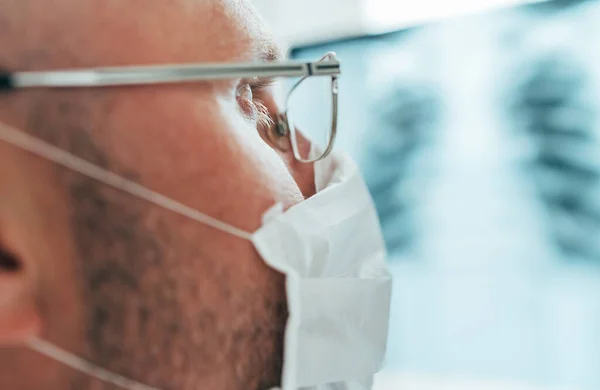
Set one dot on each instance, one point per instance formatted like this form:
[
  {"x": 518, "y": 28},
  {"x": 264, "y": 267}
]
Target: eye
[
  {"x": 245, "y": 92},
  {"x": 245, "y": 98},
  {"x": 249, "y": 98}
]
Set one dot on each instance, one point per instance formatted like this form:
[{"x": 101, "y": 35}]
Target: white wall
[{"x": 311, "y": 21}]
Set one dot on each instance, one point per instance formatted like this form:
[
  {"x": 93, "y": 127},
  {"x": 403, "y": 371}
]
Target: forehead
[
  {"x": 117, "y": 32},
  {"x": 229, "y": 29},
  {"x": 209, "y": 30}
]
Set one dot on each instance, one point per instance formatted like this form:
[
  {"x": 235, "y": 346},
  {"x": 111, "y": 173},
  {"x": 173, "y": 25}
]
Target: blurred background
[{"x": 476, "y": 125}]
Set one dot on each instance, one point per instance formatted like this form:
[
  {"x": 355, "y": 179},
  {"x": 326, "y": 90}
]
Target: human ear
[{"x": 19, "y": 316}]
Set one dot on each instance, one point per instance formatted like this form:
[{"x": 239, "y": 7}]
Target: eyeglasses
[{"x": 327, "y": 67}]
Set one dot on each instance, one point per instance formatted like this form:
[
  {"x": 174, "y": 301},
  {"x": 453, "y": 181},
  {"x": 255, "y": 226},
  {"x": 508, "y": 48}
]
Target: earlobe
[{"x": 19, "y": 315}]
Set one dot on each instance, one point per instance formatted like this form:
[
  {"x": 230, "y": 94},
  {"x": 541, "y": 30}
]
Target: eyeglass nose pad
[
  {"x": 329, "y": 56},
  {"x": 279, "y": 133}
]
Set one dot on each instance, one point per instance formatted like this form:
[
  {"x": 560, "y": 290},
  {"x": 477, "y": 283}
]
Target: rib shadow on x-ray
[
  {"x": 404, "y": 124},
  {"x": 550, "y": 106}
]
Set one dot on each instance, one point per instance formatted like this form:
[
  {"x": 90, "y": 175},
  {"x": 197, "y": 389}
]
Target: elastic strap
[{"x": 77, "y": 164}]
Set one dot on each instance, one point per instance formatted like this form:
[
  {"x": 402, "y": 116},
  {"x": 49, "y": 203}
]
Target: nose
[{"x": 303, "y": 173}]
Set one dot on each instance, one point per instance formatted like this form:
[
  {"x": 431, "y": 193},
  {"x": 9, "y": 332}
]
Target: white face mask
[{"x": 332, "y": 252}]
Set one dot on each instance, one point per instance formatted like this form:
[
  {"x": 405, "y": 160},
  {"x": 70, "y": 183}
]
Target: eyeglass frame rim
[
  {"x": 115, "y": 76},
  {"x": 284, "y": 116}
]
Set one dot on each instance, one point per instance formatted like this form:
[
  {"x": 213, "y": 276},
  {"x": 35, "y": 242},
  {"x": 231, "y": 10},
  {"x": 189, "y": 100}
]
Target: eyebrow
[{"x": 269, "y": 50}]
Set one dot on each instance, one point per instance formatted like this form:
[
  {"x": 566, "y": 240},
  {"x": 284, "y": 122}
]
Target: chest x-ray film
[{"x": 479, "y": 138}]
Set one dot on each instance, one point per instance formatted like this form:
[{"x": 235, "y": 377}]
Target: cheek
[{"x": 200, "y": 150}]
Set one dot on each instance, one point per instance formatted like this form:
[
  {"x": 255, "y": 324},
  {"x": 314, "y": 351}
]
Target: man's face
[{"x": 132, "y": 287}]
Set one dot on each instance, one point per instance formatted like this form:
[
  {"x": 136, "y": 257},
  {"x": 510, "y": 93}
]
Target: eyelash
[{"x": 263, "y": 118}]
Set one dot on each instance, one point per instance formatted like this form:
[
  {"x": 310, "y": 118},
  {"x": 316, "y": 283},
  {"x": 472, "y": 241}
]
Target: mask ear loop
[
  {"x": 77, "y": 164},
  {"x": 68, "y": 359},
  {"x": 84, "y": 366}
]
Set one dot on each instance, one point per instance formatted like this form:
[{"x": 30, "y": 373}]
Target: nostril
[{"x": 8, "y": 262}]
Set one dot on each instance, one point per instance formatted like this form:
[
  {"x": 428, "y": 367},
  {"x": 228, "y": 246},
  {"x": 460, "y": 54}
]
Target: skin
[{"x": 132, "y": 287}]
